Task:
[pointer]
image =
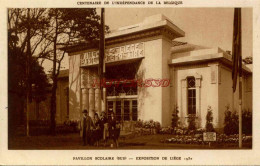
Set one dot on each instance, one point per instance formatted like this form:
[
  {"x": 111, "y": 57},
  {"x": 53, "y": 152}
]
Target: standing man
[
  {"x": 114, "y": 130},
  {"x": 87, "y": 126}
]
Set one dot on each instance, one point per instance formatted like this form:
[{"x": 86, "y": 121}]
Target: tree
[
  {"x": 247, "y": 122},
  {"x": 230, "y": 122},
  {"x": 41, "y": 84},
  {"x": 18, "y": 25},
  {"x": 192, "y": 122},
  {"x": 17, "y": 85},
  {"x": 175, "y": 118},
  {"x": 49, "y": 30},
  {"x": 24, "y": 26},
  {"x": 209, "y": 120},
  {"x": 68, "y": 26}
]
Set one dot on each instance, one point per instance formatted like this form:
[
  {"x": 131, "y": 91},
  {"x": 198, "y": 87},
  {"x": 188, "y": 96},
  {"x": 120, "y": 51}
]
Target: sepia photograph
[{"x": 130, "y": 78}]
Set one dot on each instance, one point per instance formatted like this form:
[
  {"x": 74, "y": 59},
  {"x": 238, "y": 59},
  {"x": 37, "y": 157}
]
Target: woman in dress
[{"x": 97, "y": 133}]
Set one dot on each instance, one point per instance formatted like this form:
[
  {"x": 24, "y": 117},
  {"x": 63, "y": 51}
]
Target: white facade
[
  {"x": 148, "y": 49},
  {"x": 212, "y": 70}
]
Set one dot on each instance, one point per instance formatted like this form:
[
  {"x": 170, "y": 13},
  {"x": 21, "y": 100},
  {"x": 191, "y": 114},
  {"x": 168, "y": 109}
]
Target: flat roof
[
  {"x": 150, "y": 23},
  {"x": 203, "y": 55}
]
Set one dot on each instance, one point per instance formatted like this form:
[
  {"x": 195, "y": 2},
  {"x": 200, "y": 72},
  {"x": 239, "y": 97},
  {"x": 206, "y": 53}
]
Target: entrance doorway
[
  {"x": 126, "y": 111},
  {"x": 121, "y": 88}
]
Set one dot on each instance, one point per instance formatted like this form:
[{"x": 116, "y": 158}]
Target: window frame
[
  {"x": 122, "y": 101},
  {"x": 193, "y": 97}
]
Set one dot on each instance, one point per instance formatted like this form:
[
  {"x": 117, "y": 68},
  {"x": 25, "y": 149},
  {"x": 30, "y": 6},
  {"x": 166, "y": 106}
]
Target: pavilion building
[{"x": 170, "y": 74}]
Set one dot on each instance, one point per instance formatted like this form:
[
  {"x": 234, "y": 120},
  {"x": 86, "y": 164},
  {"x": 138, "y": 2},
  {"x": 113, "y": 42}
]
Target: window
[
  {"x": 134, "y": 110},
  {"x": 191, "y": 95},
  {"x": 125, "y": 109},
  {"x": 126, "y": 87},
  {"x": 118, "y": 110}
]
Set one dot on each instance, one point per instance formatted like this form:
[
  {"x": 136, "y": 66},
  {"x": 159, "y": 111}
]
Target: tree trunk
[
  {"x": 21, "y": 109},
  {"x": 54, "y": 78},
  {"x": 28, "y": 75},
  {"x": 37, "y": 110},
  {"x": 53, "y": 108}
]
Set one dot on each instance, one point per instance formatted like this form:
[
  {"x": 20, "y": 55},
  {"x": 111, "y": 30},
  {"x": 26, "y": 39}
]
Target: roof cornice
[
  {"x": 157, "y": 25},
  {"x": 206, "y": 55}
]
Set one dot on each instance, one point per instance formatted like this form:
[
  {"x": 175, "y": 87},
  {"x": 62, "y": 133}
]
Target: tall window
[
  {"x": 118, "y": 110},
  {"x": 191, "y": 95},
  {"x": 134, "y": 110},
  {"x": 125, "y": 109}
]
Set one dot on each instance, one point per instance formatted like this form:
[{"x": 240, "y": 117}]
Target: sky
[{"x": 210, "y": 27}]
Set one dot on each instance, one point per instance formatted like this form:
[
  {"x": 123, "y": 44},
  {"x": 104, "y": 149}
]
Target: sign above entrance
[{"x": 131, "y": 51}]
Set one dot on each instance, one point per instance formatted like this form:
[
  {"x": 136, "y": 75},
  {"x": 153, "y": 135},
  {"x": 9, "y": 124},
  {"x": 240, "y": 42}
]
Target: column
[
  {"x": 104, "y": 102},
  {"x": 98, "y": 101},
  {"x": 85, "y": 98},
  {"x": 91, "y": 102}
]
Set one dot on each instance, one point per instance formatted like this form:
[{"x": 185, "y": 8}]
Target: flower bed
[
  {"x": 198, "y": 139},
  {"x": 180, "y": 131},
  {"x": 147, "y": 127}
]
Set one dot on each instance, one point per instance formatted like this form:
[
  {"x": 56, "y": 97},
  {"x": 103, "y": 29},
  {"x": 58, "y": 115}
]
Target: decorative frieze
[
  {"x": 215, "y": 73},
  {"x": 131, "y": 51}
]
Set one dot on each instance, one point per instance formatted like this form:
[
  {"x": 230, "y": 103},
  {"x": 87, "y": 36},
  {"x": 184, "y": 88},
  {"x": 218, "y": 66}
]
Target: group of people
[{"x": 100, "y": 129}]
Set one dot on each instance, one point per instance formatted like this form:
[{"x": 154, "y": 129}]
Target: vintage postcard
[{"x": 129, "y": 82}]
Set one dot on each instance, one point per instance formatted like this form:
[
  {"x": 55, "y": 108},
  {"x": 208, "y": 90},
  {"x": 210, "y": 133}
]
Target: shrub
[
  {"x": 145, "y": 126},
  {"x": 247, "y": 122},
  {"x": 71, "y": 125},
  {"x": 209, "y": 120},
  {"x": 157, "y": 126},
  {"x": 65, "y": 129},
  {"x": 191, "y": 121},
  {"x": 180, "y": 131},
  {"x": 175, "y": 119},
  {"x": 39, "y": 122},
  {"x": 230, "y": 122},
  {"x": 166, "y": 130},
  {"x": 139, "y": 123},
  {"x": 200, "y": 131}
]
